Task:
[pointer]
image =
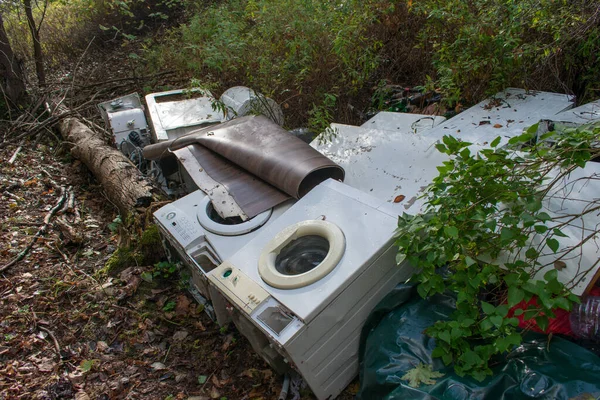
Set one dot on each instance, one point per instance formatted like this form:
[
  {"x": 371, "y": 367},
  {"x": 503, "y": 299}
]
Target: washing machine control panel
[{"x": 238, "y": 287}]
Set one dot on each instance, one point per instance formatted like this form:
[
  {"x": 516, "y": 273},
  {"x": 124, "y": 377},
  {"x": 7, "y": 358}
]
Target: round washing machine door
[
  {"x": 233, "y": 226},
  {"x": 301, "y": 254}
]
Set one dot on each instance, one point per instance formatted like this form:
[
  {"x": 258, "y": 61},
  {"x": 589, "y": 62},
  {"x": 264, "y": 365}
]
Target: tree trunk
[
  {"x": 11, "y": 74},
  {"x": 123, "y": 183},
  {"x": 37, "y": 46}
]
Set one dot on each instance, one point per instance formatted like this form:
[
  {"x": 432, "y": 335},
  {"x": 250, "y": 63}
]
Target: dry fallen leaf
[
  {"x": 214, "y": 393},
  {"x": 421, "y": 374},
  {"x": 497, "y": 126},
  {"x": 158, "y": 366},
  {"x": 215, "y": 381},
  {"x": 179, "y": 336},
  {"x": 399, "y": 198},
  {"x": 183, "y": 305},
  {"x": 559, "y": 265}
]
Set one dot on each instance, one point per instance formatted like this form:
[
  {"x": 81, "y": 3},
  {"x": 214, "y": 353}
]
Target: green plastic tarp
[{"x": 393, "y": 343}]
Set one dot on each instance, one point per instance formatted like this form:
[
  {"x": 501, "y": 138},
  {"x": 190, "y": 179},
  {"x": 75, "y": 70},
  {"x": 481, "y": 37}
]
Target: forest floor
[{"x": 71, "y": 329}]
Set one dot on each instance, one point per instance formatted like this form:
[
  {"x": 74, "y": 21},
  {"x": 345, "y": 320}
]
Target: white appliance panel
[{"x": 368, "y": 233}]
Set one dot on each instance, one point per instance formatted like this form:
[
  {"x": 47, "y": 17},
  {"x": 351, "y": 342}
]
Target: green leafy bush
[
  {"x": 483, "y": 46},
  {"x": 481, "y": 237},
  {"x": 301, "y": 53}
]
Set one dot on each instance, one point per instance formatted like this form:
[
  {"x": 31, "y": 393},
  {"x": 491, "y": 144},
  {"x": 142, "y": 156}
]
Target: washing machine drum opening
[
  {"x": 302, "y": 255},
  {"x": 215, "y": 217},
  {"x": 232, "y": 226}
]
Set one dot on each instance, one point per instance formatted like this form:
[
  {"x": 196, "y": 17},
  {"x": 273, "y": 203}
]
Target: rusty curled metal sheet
[{"x": 255, "y": 159}]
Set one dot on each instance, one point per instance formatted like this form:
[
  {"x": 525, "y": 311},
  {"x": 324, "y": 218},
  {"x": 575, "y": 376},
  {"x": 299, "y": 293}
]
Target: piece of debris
[{"x": 421, "y": 374}]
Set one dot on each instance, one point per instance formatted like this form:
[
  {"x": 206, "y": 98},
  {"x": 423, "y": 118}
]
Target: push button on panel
[{"x": 238, "y": 287}]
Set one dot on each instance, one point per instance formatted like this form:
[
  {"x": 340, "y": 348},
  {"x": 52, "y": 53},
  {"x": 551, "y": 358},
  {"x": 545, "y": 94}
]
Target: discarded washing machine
[
  {"x": 176, "y": 113},
  {"x": 302, "y": 288},
  {"x": 194, "y": 234},
  {"x": 126, "y": 119}
]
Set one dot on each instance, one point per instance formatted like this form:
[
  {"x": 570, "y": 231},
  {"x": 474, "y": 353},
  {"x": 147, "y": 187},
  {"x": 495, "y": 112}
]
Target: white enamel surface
[
  {"x": 403, "y": 122},
  {"x": 584, "y": 114},
  {"x": 515, "y": 110},
  {"x": 393, "y": 167},
  {"x": 229, "y": 230}
]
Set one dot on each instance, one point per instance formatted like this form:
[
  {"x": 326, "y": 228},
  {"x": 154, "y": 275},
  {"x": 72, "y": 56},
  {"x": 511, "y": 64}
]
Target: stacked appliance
[{"x": 301, "y": 285}]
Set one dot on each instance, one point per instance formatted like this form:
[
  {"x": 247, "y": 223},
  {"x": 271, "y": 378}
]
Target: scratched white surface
[{"x": 513, "y": 111}]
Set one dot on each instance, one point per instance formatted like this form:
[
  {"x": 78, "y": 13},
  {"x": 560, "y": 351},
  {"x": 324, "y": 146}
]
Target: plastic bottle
[{"x": 585, "y": 318}]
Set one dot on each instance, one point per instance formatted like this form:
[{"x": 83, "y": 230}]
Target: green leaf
[
  {"x": 518, "y": 312},
  {"x": 563, "y": 303},
  {"x": 487, "y": 308},
  {"x": 471, "y": 358},
  {"x": 438, "y": 352},
  {"x": 469, "y": 261},
  {"x": 170, "y": 306},
  {"x": 486, "y": 325},
  {"x": 506, "y": 234},
  {"x": 542, "y": 322},
  {"x": 502, "y": 310},
  {"x": 532, "y": 253},
  {"x": 451, "y": 231},
  {"x": 86, "y": 365},
  {"x": 558, "y": 232},
  {"x": 534, "y": 205},
  {"x": 202, "y": 379},
  {"x": 441, "y": 148},
  {"x": 553, "y": 244},
  {"x": 540, "y": 228},
  {"x": 467, "y": 322},
  {"x": 515, "y": 296},
  {"x": 514, "y": 339},
  {"x": 421, "y": 374},
  {"x": 511, "y": 279},
  {"x": 573, "y": 298},
  {"x": 495, "y": 142},
  {"x": 496, "y": 320},
  {"x": 551, "y": 275},
  {"x": 543, "y": 216},
  {"x": 445, "y": 336},
  {"x": 447, "y": 358},
  {"x": 146, "y": 276}
]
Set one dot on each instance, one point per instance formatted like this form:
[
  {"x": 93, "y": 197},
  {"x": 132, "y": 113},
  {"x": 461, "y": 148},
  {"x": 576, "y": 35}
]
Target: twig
[
  {"x": 40, "y": 232},
  {"x": 49, "y": 332},
  {"x": 15, "y": 154},
  {"x": 79, "y": 61},
  {"x": 13, "y": 196}
]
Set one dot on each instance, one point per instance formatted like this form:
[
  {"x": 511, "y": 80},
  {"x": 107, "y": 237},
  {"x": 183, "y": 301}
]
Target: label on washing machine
[{"x": 180, "y": 226}]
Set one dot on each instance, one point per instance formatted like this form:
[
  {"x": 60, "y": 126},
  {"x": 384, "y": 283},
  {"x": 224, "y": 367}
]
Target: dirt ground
[{"x": 69, "y": 329}]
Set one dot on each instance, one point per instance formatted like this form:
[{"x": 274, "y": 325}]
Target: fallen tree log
[{"x": 124, "y": 184}]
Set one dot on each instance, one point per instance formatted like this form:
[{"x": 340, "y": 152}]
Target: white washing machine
[
  {"x": 309, "y": 280},
  {"x": 196, "y": 235}
]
